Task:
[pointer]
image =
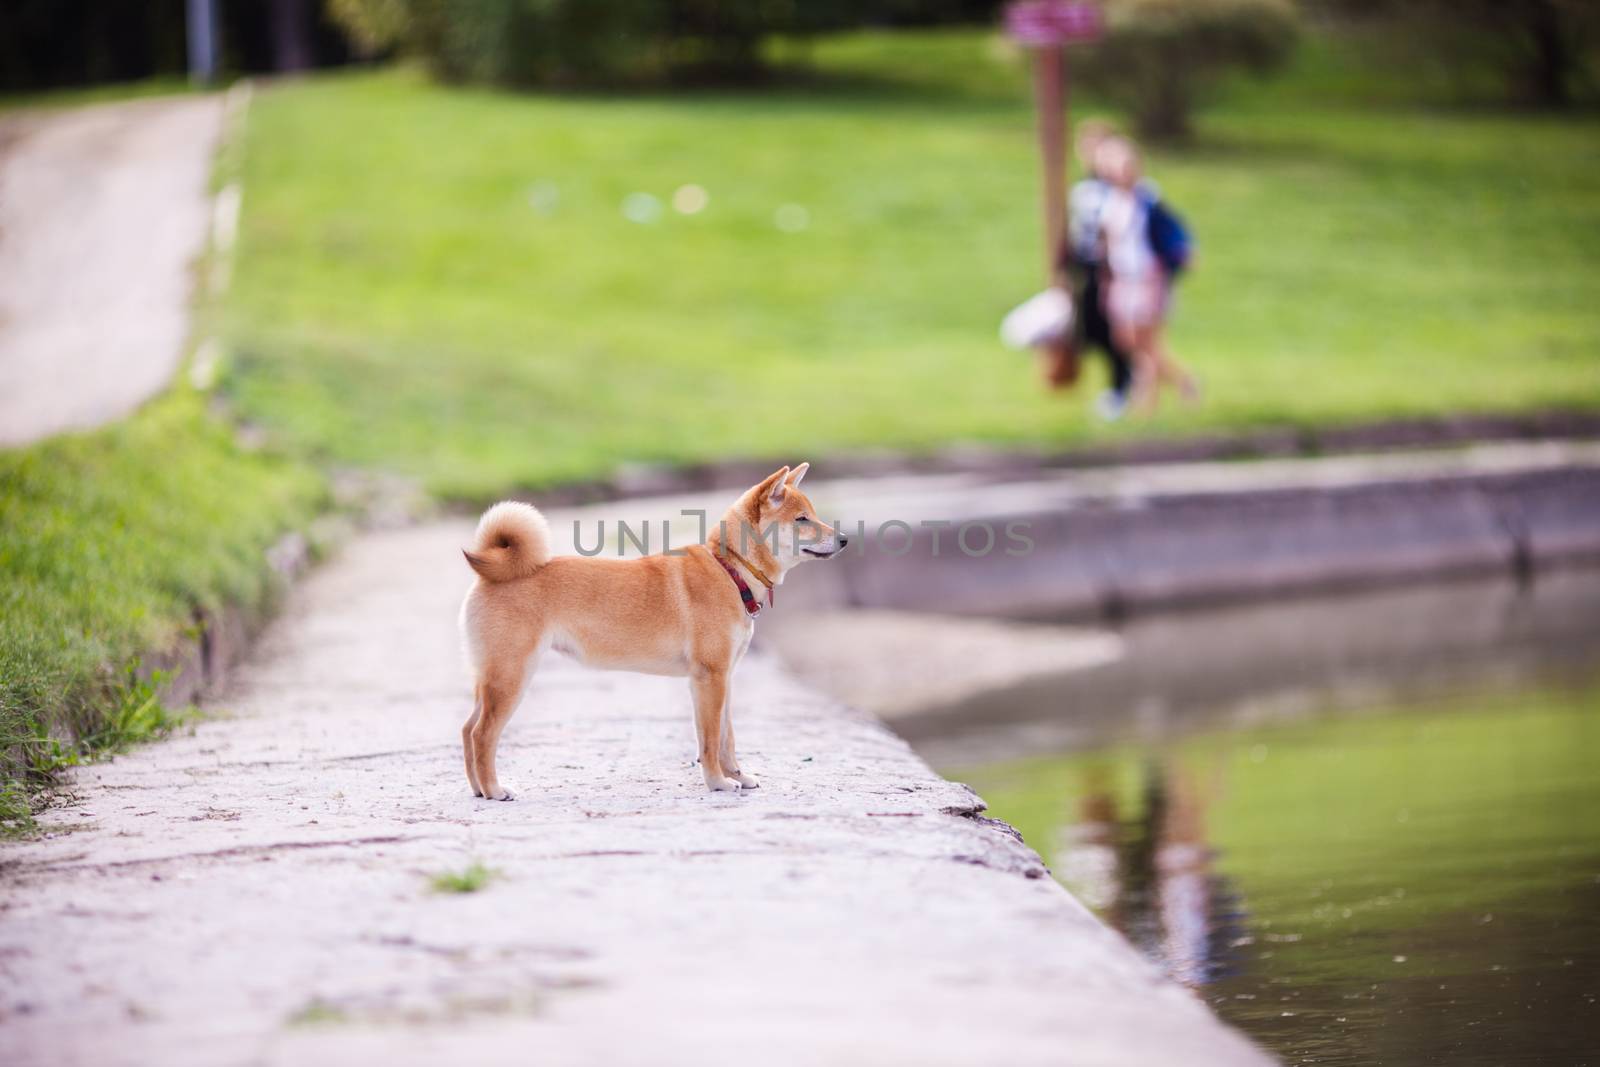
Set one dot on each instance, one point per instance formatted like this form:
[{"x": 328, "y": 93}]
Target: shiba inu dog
[{"x": 689, "y": 613}]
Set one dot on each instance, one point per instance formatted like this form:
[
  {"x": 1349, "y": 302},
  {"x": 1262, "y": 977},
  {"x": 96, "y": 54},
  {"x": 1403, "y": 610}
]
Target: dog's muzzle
[{"x": 824, "y": 553}]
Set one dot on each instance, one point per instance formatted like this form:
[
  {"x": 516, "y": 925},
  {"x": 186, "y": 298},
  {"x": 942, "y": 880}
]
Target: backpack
[{"x": 1169, "y": 238}]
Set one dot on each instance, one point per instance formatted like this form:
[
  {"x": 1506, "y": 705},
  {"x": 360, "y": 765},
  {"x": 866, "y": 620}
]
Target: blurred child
[
  {"x": 1079, "y": 268},
  {"x": 1138, "y": 279}
]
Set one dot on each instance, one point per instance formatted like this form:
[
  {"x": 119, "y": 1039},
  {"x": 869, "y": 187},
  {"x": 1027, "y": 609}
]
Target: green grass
[
  {"x": 401, "y": 302},
  {"x": 110, "y": 544},
  {"x": 469, "y": 879}
]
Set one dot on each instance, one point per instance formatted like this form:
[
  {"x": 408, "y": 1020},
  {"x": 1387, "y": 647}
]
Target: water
[{"x": 1366, "y": 830}]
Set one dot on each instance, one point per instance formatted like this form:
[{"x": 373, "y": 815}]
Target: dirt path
[
  {"x": 103, "y": 211},
  {"x": 257, "y": 892}
]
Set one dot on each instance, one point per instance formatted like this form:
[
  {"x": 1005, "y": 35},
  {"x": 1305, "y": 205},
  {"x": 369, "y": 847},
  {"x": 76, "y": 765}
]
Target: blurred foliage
[
  {"x": 375, "y": 25},
  {"x": 48, "y": 44},
  {"x": 1542, "y": 49},
  {"x": 613, "y": 42},
  {"x": 1158, "y": 56},
  {"x": 110, "y": 542}
]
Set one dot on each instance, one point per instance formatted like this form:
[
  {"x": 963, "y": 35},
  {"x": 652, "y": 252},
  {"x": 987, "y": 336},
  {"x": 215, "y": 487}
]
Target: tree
[
  {"x": 1540, "y": 47},
  {"x": 291, "y": 34},
  {"x": 1158, "y": 56}
]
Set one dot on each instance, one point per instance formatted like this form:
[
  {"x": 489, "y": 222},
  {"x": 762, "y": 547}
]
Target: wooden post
[
  {"x": 1050, "y": 96},
  {"x": 1045, "y": 27}
]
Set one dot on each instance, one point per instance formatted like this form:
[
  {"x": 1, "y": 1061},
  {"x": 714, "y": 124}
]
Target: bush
[
  {"x": 1542, "y": 50},
  {"x": 586, "y": 42},
  {"x": 1158, "y": 55}
]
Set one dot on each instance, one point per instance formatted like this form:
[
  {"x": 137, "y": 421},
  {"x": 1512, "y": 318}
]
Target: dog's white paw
[
  {"x": 721, "y": 784},
  {"x": 747, "y": 781},
  {"x": 500, "y": 792}
]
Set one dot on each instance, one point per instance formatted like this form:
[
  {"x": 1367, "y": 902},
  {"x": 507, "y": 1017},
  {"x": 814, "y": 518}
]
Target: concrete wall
[{"x": 1101, "y": 556}]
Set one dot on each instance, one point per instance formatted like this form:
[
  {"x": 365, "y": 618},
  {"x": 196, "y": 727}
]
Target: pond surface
[{"x": 1370, "y": 834}]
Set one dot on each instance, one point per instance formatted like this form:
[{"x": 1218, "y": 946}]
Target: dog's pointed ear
[
  {"x": 798, "y": 473},
  {"x": 773, "y": 487}
]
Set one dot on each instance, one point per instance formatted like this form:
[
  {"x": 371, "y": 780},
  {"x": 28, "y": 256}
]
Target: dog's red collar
[{"x": 751, "y": 604}]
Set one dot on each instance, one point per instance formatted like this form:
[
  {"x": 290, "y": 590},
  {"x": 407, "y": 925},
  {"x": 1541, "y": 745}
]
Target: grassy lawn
[
  {"x": 109, "y": 542},
  {"x": 441, "y": 281}
]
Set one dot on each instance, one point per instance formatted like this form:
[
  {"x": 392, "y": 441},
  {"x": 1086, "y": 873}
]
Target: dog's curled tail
[{"x": 513, "y": 541}]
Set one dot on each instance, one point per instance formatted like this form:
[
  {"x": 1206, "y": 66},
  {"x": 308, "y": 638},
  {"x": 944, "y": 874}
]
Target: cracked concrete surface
[{"x": 256, "y": 891}]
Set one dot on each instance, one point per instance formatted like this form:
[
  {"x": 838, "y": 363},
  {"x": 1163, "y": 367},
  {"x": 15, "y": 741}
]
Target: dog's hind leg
[
  {"x": 500, "y": 692},
  {"x": 467, "y": 752},
  {"x": 710, "y": 687}
]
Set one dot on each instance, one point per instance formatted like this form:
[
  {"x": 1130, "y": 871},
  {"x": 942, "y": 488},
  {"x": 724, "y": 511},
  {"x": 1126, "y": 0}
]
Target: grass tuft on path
[
  {"x": 443, "y": 281},
  {"x": 469, "y": 879},
  {"x": 111, "y": 542}
]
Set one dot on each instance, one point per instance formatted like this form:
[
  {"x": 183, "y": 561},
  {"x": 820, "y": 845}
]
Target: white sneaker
[{"x": 1110, "y": 405}]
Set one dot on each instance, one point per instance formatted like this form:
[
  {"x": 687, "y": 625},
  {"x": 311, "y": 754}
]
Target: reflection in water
[
  {"x": 1149, "y": 872},
  {"x": 1395, "y": 873},
  {"x": 1420, "y": 885}
]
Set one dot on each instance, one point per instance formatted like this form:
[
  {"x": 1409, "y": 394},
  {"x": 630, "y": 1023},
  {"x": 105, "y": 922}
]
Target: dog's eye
[{"x": 802, "y": 519}]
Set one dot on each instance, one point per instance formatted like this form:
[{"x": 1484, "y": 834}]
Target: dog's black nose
[{"x": 843, "y": 541}]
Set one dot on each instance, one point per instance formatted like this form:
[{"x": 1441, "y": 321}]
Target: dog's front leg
[
  {"x": 730, "y": 759},
  {"x": 710, "y": 686}
]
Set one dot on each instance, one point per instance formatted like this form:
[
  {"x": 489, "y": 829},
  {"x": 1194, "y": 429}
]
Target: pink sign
[{"x": 1048, "y": 22}]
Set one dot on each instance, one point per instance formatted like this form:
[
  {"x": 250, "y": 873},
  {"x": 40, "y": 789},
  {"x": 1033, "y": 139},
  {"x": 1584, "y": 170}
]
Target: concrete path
[
  {"x": 103, "y": 212},
  {"x": 257, "y": 892}
]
